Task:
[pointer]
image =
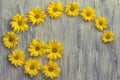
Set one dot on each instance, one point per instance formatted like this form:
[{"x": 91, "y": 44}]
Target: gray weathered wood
[{"x": 85, "y": 56}]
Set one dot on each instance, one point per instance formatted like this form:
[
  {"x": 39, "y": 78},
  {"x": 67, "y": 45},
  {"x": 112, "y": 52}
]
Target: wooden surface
[{"x": 85, "y": 56}]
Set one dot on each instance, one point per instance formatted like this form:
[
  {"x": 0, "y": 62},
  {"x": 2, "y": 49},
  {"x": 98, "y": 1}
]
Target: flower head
[
  {"x": 36, "y": 48},
  {"x": 51, "y": 70},
  {"x": 36, "y": 16},
  {"x": 72, "y": 9},
  {"x": 18, "y": 23},
  {"x": 100, "y": 23},
  {"x": 88, "y": 14},
  {"x": 107, "y": 36},
  {"x": 55, "y": 9},
  {"x": 10, "y": 40},
  {"x": 54, "y": 50},
  {"x": 17, "y": 58},
  {"x": 32, "y": 66}
]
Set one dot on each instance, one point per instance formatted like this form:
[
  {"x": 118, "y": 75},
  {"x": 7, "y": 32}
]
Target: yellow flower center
[
  {"x": 108, "y": 36},
  {"x": 54, "y": 50},
  {"x": 11, "y": 39},
  {"x": 32, "y": 67},
  {"x": 37, "y": 48},
  {"x": 50, "y": 69},
  {"x": 88, "y": 14},
  {"x": 72, "y": 9},
  {"x": 100, "y": 23},
  {"x": 36, "y": 16},
  {"x": 16, "y": 57},
  {"x": 19, "y": 22},
  {"x": 55, "y": 9}
]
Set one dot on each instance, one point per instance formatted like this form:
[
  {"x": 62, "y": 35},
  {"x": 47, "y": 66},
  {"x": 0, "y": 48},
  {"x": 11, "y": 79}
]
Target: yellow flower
[
  {"x": 100, "y": 23},
  {"x": 10, "y": 40},
  {"x": 36, "y": 16},
  {"x": 72, "y": 9},
  {"x": 54, "y": 50},
  {"x": 17, "y": 58},
  {"x": 36, "y": 48},
  {"x": 88, "y": 14},
  {"x": 18, "y": 23},
  {"x": 32, "y": 66},
  {"x": 55, "y": 9},
  {"x": 107, "y": 36},
  {"x": 51, "y": 70}
]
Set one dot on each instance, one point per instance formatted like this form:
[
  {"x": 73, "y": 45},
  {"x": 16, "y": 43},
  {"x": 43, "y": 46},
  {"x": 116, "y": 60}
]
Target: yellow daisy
[
  {"x": 55, "y": 9},
  {"x": 100, "y": 23},
  {"x": 51, "y": 70},
  {"x": 54, "y": 50},
  {"x": 72, "y": 9},
  {"x": 36, "y": 48},
  {"x": 36, "y": 16},
  {"x": 107, "y": 36},
  {"x": 17, "y": 57},
  {"x": 88, "y": 14},
  {"x": 32, "y": 66},
  {"x": 18, "y": 23},
  {"x": 10, "y": 40}
]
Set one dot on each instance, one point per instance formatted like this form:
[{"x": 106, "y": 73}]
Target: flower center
[
  {"x": 55, "y": 9},
  {"x": 100, "y": 23},
  {"x": 72, "y": 8},
  {"x": 16, "y": 57},
  {"x": 32, "y": 67},
  {"x": 50, "y": 69},
  {"x": 11, "y": 39},
  {"x": 107, "y": 36},
  {"x": 54, "y": 50},
  {"x": 36, "y": 16},
  {"x": 19, "y": 22},
  {"x": 88, "y": 14},
  {"x": 37, "y": 48}
]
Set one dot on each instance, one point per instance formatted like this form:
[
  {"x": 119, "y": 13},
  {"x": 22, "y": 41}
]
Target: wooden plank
[{"x": 85, "y": 56}]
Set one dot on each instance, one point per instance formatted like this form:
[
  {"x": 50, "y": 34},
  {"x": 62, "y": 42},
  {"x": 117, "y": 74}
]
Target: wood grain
[{"x": 85, "y": 56}]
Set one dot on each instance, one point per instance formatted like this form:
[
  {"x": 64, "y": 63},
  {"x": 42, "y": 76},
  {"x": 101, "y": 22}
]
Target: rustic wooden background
[{"x": 85, "y": 56}]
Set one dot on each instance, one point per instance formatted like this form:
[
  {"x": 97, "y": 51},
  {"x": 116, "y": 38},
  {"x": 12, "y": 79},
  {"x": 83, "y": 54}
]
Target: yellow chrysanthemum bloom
[
  {"x": 72, "y": 9},
  {"x": 88, "y": 14},
  {"x": 36, "y": 48},
  {"x": 107, "y": 36},
  {"x": 36, "y": 16},
  {"x": 32, "y": 66},
  {"x": 18, "y": 23},
  {"x": 54, "y": 50},
  {"x": 101, "y": 23},
  {"x": 51, "y": 70},
  {"x": 55, "y": 9},
  {"x": 10, "y": 40},
  {"x": 17, "y": 58}
]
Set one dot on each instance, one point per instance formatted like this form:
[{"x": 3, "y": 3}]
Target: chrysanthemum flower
[
  {"x": 51, "y": 70},
  {"x": 18, "y": 23},
  {"x": 88, "y": 14},
  {"x": 107, "y": 36},
  {"x": 32, "y": 66},
  {"x": 36, "y": 48},
  {"x": 100, "y": 23},
  {"x": 72, "y": 9},
  {"x": 17, "y": 58},
  {"x": 55, "y": 9},
  {"x": 36, "y": 16},
  {"x": 54, "y": 50},
  {"x": 10, "y": 40}
]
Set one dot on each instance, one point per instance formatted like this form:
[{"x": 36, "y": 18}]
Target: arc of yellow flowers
[{"x": 53, "y": 49}]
